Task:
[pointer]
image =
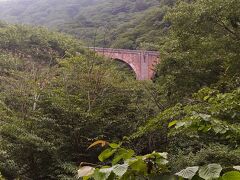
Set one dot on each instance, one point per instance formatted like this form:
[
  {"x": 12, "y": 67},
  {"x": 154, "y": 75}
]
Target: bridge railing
[{"x": 113, "y": 50}]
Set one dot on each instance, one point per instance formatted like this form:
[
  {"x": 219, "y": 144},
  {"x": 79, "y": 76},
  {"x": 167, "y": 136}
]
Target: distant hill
[
  {"x": 122, "y": 24},
  {"x": 42, "y": 12}
]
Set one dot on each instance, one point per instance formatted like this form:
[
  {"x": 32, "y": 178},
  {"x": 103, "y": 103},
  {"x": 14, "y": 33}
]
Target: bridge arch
[
  {"x": 125, "y": 65},
  {"x": 142, "y": 62}
]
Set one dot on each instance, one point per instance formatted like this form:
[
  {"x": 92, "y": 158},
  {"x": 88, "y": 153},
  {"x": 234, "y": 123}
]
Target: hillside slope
[
  {"x": 97, "y": 22},
  {"x": 42, "y": 12},
  {"x": 55, "y": 96}
]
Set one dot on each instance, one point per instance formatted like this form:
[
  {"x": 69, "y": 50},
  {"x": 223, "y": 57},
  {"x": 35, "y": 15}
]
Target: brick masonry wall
[{"x": 142, "y": 62}]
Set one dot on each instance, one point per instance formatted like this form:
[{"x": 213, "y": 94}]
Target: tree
[{"x": 201, "y": 49}]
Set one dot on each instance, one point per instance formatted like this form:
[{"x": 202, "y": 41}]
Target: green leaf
[
  {"x": 172, "y": 123},
  {"x": 106, "y": 154},
  {"x": 180, "y": 124},
  {"x": 232, "y": 175},
  {"x": 205, "y": 117},
  {"x": 206, "y": 98},
  {"x": 102, "y": 174},
  {"x": 85, "y": 171},
  {"x": 236, "y": 167},
  {"x": 211, "y": 171},
  {"x": 122, "y": 154},
  {"x": 188, "y": 173},
  {"x": 138, "y": 165},
  {"x": 161, "y": 161},
  {"x": 86, "y": 178},
  {"x": 219, "y": 129},
  {"x": 201, "y": 128},
  {"x": 120, "y": 170},
  {"x": 164, "y": 155},
  {"x": 155, "y": 155},
  {"x": 114, "y": 145}
]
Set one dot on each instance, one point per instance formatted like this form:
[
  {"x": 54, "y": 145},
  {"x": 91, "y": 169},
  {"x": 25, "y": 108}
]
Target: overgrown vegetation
[
  {"x": 97, "y": 22},
  {"x": 57, "y": 98}
]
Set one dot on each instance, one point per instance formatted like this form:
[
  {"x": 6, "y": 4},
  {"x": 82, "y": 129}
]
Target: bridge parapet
[{"x": 98, "y": 49}]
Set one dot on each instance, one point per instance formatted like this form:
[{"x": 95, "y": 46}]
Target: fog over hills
[
  {"x": 111, "y": 23},
  {"x": 42, "y": 12}
]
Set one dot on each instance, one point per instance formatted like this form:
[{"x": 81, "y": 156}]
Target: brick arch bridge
[{"x": 142, "y": 62}]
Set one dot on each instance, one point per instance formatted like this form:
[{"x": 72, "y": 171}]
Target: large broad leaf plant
[{"x": 124, "y": 164}]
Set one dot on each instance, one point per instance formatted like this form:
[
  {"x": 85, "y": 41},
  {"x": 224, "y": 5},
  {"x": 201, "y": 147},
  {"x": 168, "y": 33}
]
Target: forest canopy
[
  {"x": 96, "y": 22},
  {"x": 68, "y": 113}
]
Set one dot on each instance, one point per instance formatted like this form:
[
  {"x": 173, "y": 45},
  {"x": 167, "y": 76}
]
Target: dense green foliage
[
  {"x": 97, "y": 22},
  {"x": 105, "y": 23},
  {"x": 125, "y": 164},
  {"x": 201, "y": 49},
  {"x": 43, "y": 12},
  {"x": 56, "y": 97}
]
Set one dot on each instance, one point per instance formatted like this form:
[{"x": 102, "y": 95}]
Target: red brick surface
[{"x": 142, "y": 62}]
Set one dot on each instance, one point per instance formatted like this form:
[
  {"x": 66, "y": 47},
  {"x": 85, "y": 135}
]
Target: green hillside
[
  {"x": 51, "y": 87},
  {"x": 42, "y": 12},
  {"x": 68, "y": 114},
  {"x": 100, "y": 22}
]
